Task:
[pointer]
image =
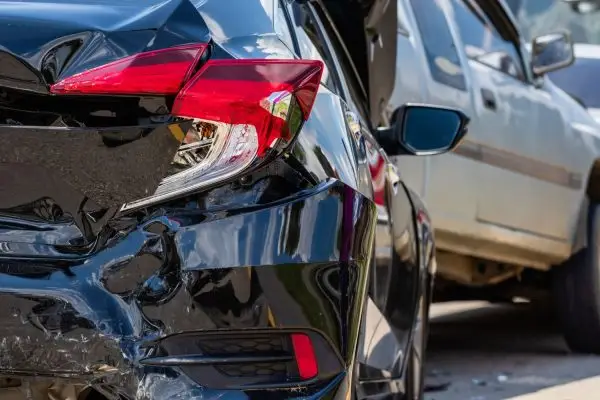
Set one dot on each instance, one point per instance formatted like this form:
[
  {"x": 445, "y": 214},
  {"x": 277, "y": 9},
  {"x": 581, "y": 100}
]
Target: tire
[{"x": 576, "y": 292}]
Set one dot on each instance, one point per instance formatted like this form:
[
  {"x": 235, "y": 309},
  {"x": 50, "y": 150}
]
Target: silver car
[{"x": 515, "y": 206}]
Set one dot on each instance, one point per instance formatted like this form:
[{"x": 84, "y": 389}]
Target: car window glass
[
  {"x": 312, "y": 44},
  {"x": 402, "y": 24},
  {"x": 282, "y": 28},
  {"x": 355, "y": 90},
  {"x": 483, "y": 43},
  {"x": 440, "y": 49}
]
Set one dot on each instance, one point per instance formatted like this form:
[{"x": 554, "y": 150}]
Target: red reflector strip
[
  {"x": 305, "y": 356},
  {"x": 260, "y": 93},
  {"x": 158, "y": 72}
]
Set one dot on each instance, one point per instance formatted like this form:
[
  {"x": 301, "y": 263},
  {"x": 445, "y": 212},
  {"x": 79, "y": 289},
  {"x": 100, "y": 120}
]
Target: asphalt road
[{"x": 479, "y": 351}]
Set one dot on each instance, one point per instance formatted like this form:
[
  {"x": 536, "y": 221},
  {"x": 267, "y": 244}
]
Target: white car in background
[{"x": 516, "y": 207}]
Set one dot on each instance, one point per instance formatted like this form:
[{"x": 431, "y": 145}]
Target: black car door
[{"x": 394, "y": 279}]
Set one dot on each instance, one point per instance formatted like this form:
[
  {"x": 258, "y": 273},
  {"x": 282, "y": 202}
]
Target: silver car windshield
[{"x": 538, "y": 17}]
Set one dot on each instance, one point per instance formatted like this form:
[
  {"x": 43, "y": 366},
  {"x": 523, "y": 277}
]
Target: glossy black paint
[
  {"x": 138, "y": 164},
  {"x": 98, "y": 297},
  {"x": 188, "y": 270},
  {"x": 60, "y": 38}
]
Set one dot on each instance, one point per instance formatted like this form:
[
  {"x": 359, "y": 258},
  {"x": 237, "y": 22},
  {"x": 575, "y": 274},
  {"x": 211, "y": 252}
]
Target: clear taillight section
[
  {"x": 273, "y": 96},
  {"x": 242, "y": 110}
]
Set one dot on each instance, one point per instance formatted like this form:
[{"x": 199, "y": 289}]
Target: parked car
[
  {"x": 580, "y": 19},
  {"x": 515, "y": 205},
  {"x": 193, "y": 199}
]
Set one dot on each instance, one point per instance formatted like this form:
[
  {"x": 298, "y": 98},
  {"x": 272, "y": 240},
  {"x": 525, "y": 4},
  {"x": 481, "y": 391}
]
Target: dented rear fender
[{"x": 96, "y": 319}]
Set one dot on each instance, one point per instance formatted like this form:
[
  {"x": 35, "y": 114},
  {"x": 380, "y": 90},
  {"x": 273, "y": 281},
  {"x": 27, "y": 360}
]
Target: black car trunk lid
[{"x": 67, "y": 160}]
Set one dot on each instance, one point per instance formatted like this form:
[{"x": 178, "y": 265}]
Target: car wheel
[
  {"x": 414, "y": 381},
  {"x": 576, "y": 291}
]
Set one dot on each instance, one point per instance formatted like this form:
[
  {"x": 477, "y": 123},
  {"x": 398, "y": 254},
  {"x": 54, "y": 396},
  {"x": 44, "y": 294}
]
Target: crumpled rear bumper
[{"x": 295, "y": 265}]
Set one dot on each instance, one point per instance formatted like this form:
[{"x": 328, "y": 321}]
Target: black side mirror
[{"x": 423, "y": 130}]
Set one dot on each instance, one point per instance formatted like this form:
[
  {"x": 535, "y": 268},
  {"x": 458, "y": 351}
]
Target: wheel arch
[{"x": 592, "y": 195}]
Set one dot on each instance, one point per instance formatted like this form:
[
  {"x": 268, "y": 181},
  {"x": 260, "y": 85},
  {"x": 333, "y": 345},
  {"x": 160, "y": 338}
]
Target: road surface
[{"x": 479, "y": 351}]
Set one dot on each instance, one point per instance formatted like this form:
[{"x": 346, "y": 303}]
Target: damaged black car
[{"x": 196, "y": 202}]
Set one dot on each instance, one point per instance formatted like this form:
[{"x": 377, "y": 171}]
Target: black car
[{"x": 194, "y": 203}]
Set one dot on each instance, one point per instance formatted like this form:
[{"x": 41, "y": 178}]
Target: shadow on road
[{"x": 494, "y": 352}]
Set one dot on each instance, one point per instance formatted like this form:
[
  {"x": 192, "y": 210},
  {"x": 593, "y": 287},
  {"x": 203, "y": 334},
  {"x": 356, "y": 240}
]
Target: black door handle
[{"x": 489, "y": 99}]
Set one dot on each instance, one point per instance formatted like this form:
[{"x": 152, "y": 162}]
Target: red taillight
[
  {"x": 246, "y": 107},
  {"x": 273, "y": 96},
  {"x": 305, "y": 356},
  {"x": 159, "y": 72}
]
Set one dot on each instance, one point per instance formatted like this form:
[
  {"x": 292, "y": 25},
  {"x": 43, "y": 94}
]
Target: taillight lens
[
  {"x": 273, "y": 97},
  {"x": 242, "y": 110},
  {"x": 246, "y": 108},
  {"x": 158, "y": 72}
]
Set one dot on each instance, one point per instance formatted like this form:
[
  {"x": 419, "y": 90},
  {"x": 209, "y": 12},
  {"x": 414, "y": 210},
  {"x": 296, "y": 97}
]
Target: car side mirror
[
  {"x": 551, "y": 52},
  {"x": 423, "y": 130}
]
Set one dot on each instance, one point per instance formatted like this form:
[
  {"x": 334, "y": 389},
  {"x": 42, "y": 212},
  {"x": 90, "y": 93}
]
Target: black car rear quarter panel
[
  {"x": 129, "y": 303},
  {"x": 298, "y": 264}
]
